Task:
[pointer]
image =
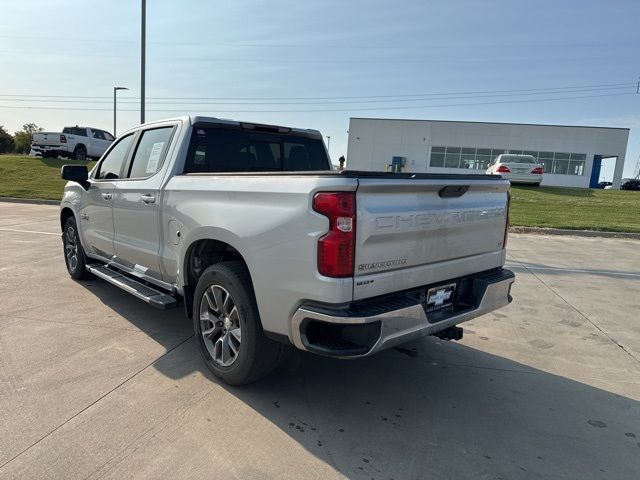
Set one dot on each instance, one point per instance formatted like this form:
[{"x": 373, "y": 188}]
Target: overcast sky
[{"x": 260, "y": 50}]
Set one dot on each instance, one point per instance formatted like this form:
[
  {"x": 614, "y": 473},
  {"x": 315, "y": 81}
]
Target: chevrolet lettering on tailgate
[{"x": 426, "y": 220}]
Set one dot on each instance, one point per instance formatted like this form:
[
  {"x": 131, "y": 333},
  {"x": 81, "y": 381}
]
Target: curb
[
  {"x": 37, "y": 201},
  {"x": 576, "y": 233}
]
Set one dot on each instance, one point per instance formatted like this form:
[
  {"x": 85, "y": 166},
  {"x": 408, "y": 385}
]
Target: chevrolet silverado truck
[
  {"x": 265, "y": 245},
  {"x": 79, "y": 143}
]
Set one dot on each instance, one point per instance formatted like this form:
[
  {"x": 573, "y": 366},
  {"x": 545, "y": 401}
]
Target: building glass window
[
  {"x": 576, "y": 167},
  {"x": 452, "y": 157},
  {"x": 547, "y": 164},
  {"x": 471, "y": 158},
  {"x": 437, "y": 160},
  {"x": 452, "y": 160},
  {"x": 560, "y": 167}
]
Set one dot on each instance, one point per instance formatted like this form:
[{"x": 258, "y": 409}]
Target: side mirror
[{"x": 75, "y": 173}]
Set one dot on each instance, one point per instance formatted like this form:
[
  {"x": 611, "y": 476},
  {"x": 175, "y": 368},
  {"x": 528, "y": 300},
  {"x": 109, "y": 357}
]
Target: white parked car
[{"x": 517, "y": 168}]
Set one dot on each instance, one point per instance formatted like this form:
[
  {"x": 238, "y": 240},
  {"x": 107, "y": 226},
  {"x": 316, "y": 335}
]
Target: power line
[
  {"x": 437, "y": 94},
  {"x": 329, "y": 110},
  {"x": 130, "y": 100}
]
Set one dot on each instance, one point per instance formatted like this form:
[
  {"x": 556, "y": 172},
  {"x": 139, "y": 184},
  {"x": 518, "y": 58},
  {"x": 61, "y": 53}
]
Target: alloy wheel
[
  {"x": 71, "y": 248},
  {"x": 220, "y": 325}
]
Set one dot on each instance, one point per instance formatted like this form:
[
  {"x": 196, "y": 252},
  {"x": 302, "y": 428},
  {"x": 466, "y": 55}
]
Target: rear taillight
[
  {"x": 506, "y": 225},
  {"x": 503, "y": 169},
  {"x": 537, "y": 171},
  {"x": 336, "y": 249},
  {"x": 63, "y": 139}
]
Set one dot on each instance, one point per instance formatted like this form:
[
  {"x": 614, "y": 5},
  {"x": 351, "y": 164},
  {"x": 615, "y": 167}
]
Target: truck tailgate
[
  {"x": 46, "y": 138},
  {"x": 414, "y": 232}
]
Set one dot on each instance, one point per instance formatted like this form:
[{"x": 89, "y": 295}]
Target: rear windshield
[
  {"x": 219, "y": 149},
  {"x": 75, "y": 131},
  {"x": 517, "y": 159}
]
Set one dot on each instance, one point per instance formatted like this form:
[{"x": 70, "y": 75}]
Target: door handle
[
  {"x": 148, "y": 199},
  {"x": 106, "y": 196}
]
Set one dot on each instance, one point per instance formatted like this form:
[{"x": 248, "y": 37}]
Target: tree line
[{"x": 19, "y": 142}]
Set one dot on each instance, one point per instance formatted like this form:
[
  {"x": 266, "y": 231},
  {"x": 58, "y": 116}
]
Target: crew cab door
[
  {"x": 136, "y": 204},
  {"x": 96, "y": 217},
  {"x": 98, "y": 143}
]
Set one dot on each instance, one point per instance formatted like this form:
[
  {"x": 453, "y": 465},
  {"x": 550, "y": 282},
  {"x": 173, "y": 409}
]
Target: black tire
[
  {"x": 80, "y": 153},
  {"x": 536, "y": 184},
  {"x": 256, "y": 355},
  {"x": 73, "y": 252}
]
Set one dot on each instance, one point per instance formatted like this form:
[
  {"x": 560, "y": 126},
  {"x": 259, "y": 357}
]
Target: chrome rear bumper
[{"x": 400, "y": 319}]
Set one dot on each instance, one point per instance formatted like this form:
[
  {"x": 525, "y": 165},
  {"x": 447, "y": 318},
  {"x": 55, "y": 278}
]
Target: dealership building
[{"x": 571, "y": 156}]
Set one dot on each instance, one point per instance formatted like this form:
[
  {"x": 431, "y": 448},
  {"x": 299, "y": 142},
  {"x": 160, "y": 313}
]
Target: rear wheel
[
  {"x": 73, "y": 252},
  {"x": 228, "y": 327},
  {"x": 80, "y": 153}
]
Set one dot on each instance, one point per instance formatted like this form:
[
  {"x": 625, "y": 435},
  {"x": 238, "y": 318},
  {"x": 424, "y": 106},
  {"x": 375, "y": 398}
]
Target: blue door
[{"x": 595, "y": 171}]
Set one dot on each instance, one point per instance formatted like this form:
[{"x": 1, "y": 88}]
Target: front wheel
[
  {"x": 227, "y": 325},
  {"x": 73, "y": 254}
]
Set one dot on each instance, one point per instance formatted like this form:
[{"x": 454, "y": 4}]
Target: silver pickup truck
[{"x": 249, "y": 227}]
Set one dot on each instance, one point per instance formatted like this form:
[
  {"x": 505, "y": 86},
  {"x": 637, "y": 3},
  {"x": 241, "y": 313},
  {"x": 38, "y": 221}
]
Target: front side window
[
  {"x": 111, "y": 165},
  {"x": 235, "y": 150},
  {"x": 150, "y": 152},
  {"x": 98, "y": 134}
]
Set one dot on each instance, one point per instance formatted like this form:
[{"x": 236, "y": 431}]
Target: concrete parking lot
[{"x": 96, "y": 384}]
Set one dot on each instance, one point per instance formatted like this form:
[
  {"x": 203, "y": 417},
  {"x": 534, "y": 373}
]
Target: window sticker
[{"x": 154, "y": 157}]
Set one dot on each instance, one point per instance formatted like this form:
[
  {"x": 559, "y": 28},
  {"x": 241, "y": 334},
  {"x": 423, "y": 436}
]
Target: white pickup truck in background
[{"x": 79, "y": 143}]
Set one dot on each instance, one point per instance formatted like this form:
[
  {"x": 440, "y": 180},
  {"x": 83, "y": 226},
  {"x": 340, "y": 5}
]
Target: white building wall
[{"x": 373, "y": 143}]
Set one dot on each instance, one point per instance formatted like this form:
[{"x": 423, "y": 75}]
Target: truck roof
[{"x": 199, "y": 119}]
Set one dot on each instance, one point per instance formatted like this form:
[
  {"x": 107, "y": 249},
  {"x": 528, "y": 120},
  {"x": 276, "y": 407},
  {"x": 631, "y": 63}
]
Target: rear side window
[
  {"x": 82, "y": 132},
  {"x": 111, "y": 165},
  {"x": 150, "y": 152},
  {"x": 235, "y": 150}
]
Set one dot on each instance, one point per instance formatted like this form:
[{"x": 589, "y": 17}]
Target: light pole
[
  {"x": 143, "y": 31},
  {"x": 328, "y": 142},
  {"x": 115, "y": 89}
]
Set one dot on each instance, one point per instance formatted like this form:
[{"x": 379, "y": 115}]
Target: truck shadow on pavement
[{"x": 431, "y": 409}]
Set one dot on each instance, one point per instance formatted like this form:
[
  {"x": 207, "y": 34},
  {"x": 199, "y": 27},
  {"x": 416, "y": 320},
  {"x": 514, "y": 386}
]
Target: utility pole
[
  {"x": 328, "y": 142},
  {"x": 142, "y": 57},
  {"x": 115, "y": 89}
]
